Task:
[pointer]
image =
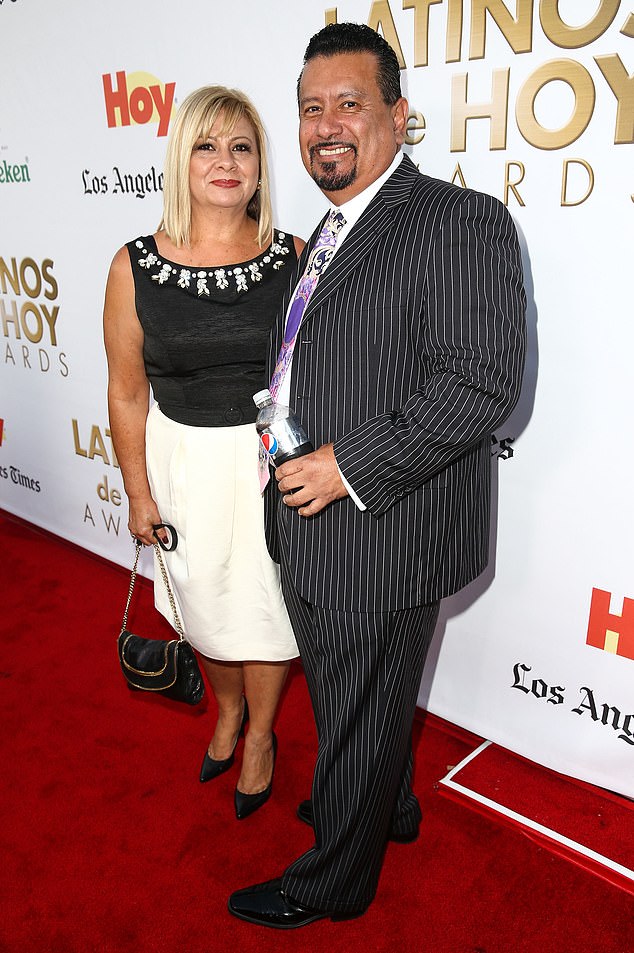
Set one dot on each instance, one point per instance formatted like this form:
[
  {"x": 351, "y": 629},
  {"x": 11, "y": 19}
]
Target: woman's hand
[{"x": 143, "y": 516}]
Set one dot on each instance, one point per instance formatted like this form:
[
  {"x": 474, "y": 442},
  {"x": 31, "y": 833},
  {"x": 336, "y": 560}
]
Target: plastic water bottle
[{"x": 281, "y": 433}]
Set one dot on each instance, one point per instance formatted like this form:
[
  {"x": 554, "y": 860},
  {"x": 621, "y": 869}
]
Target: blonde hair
[{"x": 194, "y": 120}]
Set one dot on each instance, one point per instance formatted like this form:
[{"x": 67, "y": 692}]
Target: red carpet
[
  {"x": 109, "y": 843},
  {"x": 589, "y": 826}
]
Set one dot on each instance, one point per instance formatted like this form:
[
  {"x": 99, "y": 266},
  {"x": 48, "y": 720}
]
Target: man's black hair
[{"x": 358, "y": 38}]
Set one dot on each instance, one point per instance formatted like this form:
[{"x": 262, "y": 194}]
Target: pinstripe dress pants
[{"x": 363, "y": 672}]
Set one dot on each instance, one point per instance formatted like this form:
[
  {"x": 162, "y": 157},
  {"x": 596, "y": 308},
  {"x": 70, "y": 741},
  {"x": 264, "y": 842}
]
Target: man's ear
[{"x": 400, "y": 112}]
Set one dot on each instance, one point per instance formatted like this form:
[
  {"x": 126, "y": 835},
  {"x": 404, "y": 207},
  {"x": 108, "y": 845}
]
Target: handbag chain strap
[{"x": 170, "y": 595}]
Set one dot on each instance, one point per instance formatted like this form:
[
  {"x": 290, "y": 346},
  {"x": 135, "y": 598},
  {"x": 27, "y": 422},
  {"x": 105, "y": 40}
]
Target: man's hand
[{"x": 315, "y": 478}]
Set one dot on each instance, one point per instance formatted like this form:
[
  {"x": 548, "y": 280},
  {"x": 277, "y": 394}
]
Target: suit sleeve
[{"x": 471, "y": 348}]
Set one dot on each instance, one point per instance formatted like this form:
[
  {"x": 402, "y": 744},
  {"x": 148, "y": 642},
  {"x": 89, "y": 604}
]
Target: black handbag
[{"x": 169, "y": 668}]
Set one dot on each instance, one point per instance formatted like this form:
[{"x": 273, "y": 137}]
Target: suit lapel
[
  {"x": 357, "y": 245},
  {"x": 376, "y": 219},
  {"x": 277, "y": 331}
]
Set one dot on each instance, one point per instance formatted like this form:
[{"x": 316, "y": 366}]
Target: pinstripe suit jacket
[{"x": 410, "y": 353}]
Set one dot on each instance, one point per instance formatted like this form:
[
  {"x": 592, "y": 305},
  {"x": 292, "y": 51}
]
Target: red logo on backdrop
[
  {"x": 1, "y": 430},
  {"x": 610, "y": 632},
  {"x": 138, "y": 98}
]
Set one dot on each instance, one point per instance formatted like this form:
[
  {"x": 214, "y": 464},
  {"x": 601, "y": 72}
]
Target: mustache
[{"x": 330, "y": 145}]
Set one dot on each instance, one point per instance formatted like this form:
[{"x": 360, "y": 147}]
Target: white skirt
[{"x": 226, "y": 586}]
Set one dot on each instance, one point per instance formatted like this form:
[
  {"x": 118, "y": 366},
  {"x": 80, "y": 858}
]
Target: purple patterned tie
[{"x": 322, "y": 252}]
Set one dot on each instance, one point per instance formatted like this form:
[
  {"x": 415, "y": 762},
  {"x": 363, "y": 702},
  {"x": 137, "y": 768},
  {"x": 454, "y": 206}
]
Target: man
[{"x": 409, "y": 354}]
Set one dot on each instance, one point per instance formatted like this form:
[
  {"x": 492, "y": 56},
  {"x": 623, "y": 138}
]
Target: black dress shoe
[
  {"x": 246, "y": 804},
  {"x": 210, "y": 767},
  {"x": 267, "y": 905},
  {"x": 305, "y": 814}
]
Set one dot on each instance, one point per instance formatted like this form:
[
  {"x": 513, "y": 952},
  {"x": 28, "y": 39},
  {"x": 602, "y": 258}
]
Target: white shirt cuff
[{"x": 357, "y": 502}]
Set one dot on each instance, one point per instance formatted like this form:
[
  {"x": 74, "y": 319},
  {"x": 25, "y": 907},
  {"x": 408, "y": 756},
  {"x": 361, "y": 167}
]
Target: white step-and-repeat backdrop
[{"x": 531, "y": 100}]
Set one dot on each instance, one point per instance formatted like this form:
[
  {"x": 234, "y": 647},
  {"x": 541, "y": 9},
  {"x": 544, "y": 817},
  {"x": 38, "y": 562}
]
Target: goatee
[
  {"x": 326, "y": 175},
  {"x": 328, "y": 179}
]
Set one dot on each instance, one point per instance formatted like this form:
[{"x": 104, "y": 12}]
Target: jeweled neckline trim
[{"x": 243, "y": 276}]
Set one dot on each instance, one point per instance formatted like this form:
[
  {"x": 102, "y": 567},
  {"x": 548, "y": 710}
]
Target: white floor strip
[{"x": 449, "y": 782}]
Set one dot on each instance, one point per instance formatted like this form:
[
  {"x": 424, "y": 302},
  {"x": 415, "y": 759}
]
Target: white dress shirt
[{"x": 352, "y": 212}]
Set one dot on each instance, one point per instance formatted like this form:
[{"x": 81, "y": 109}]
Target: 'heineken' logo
[{"x": 12, "y": 172}]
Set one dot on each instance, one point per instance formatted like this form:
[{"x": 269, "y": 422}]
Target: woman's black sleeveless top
[{"x": 207, "y": 329}]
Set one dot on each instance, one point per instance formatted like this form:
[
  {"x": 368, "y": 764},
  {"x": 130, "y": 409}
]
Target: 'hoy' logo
[
  {"x": 138, "y": 98},
  {"x": 608, "y": 631}
]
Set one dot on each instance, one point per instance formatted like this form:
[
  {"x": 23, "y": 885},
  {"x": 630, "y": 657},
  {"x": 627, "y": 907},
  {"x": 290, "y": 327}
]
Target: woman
[{"x": 188, "y": 311}]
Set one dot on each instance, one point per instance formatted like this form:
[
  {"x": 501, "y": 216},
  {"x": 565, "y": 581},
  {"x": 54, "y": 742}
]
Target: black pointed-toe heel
[
  {"x": 246, "y": 804},
  {"x": 210, "y": 767}
]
